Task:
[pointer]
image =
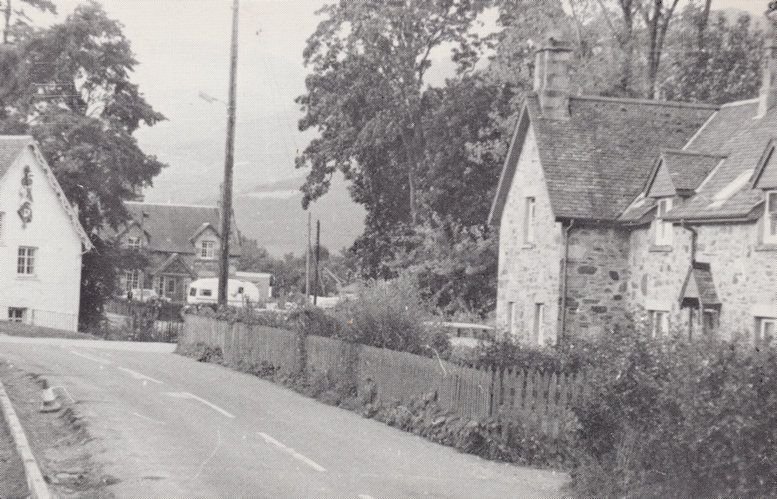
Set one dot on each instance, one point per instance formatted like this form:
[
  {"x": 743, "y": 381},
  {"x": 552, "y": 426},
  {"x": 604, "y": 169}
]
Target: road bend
[{"x": 166, "y": 425}]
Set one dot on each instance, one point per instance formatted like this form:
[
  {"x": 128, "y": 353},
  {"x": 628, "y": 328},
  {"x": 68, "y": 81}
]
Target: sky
[{"x": 183, "y": 50}]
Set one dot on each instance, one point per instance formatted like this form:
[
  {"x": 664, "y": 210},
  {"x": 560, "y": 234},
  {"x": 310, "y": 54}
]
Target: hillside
[{"x": 273, "y": 215}]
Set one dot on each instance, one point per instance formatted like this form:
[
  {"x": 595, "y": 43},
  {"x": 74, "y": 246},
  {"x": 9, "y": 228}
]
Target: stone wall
[
  {"x": 597, "y": 279},
  {"x": 529, "y": 273},
  {"x": 745, "y": 275}
]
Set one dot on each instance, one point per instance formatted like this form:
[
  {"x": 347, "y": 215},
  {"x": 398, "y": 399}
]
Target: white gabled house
[{"x": 41, "y": 240}]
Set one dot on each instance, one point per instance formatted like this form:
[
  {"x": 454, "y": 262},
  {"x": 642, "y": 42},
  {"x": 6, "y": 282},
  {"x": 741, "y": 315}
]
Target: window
[
  {"x": 16, "y": 314},
  {"x": 663, "y": 229},
  {"x": 511, "y": 317},
  {"x": 240, "y": 290},
  {"x": 659, "y": 323},
  {"x": 193, "y": 292},
  {"x": 528, "y": 220},
  {"x": 208, "y": 250},
  {"x": 539, "y": 319},
  {"x": 169, "y": 286},
  {"x": 206, "y": 292},
  {"x": 134, "y": 243},
  {"x": 25, "y": 263},
  {"x": 131, "y": 279},
  {"x": 770, "y": 227},
  {"x": 765, "y": 329}
]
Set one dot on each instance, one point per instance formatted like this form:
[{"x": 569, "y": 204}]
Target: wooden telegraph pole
[
  {"x": 318, "y": 256},
  {"x": 226, "y": 194},
  {"x": 307, "y": 264}
]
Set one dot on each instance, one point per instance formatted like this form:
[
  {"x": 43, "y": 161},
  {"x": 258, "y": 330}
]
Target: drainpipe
[
  {"x": 565, "y": 273},
  {"x": 694, "y": 239},
  {"x": 694, "y": 244}
]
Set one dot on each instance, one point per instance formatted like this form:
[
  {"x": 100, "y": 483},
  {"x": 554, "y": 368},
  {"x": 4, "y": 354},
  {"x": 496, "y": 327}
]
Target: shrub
[
  {"x": 388, "y": 314},
  {"x": 678, "y": 419}
]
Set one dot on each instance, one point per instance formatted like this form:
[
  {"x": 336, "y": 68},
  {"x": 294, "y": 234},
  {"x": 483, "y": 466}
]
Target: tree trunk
[
  {"x": 704, "y": 19},
  {"x": 412, "y": 142}
]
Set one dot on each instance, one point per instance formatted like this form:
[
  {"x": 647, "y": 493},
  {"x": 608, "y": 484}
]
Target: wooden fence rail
[{"x": 540, "y": 401}]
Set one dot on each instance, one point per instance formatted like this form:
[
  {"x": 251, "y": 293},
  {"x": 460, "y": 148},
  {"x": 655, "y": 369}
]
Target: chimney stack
[
  {"x": 551, "y": 77},
  {"x": 768, "y": 96}
]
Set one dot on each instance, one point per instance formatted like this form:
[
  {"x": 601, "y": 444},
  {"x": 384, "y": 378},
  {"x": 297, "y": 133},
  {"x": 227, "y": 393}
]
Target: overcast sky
[{"x": 183, "y": 49}]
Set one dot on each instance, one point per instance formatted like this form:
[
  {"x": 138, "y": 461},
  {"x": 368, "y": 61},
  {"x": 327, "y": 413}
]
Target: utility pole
[
  {"x": 307, "y": 263},
  {"x": 226, "y": 200},
  {"x": 318, "y": 256}
]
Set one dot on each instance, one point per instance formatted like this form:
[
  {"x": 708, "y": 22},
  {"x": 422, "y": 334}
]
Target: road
[{"x": 170, "y": 426}]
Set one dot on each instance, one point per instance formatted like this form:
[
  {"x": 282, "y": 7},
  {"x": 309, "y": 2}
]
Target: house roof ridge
[
  {"x": 694, "y": 153},
  {"x": 177, "y": 205},
  {"x": 740, "y": 102},
  {"x": 24, "y": 136},
  {"x": 646, "y": 102}
]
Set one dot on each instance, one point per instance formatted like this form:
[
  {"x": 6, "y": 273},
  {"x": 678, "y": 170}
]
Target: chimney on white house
[
  {"x": 551, "y": 77},
  {"x": 768, "y": 96}
]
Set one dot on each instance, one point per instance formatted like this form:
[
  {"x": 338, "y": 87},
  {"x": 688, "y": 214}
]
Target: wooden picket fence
[{"x": 540, "y": 401}]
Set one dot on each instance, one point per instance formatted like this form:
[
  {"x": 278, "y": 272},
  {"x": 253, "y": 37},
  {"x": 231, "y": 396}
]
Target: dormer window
[
  {"x": 770, "y": 225},
  {"x": 134, "y": 243},
  {"x": 663, "y": 229},
  {"x": 208, "y": 250}
]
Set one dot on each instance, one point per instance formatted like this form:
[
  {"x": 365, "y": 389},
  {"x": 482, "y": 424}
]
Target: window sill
[
  {"x": 528, "y": 246},
  {"x": 25, "y": 277},
  {"x": 766, "y": 247},
  {"x": 660, "y": 248}
]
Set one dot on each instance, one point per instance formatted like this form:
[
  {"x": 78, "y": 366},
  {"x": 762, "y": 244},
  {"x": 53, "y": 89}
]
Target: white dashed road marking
[
  {"x": 89, "y": 357},
  {"x": 296, "y": 455},
  {"x": 140, "y": 376},
  {"x": 187, "y": 395}
]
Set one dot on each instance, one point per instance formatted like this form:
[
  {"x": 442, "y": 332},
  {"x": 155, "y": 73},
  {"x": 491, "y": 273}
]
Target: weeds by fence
[{"x": 539, "y": 401}]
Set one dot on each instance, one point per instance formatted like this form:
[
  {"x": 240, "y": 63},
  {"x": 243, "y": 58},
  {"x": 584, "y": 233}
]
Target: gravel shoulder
[
  {"x": 12, "y": 480},
  {"x": 59, "y": 441}
]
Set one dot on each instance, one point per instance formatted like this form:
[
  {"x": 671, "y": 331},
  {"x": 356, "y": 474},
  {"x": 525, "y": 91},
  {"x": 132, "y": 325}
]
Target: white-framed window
[
  {"x": 770, "y": 227},
  {"x": 663, "y": 229},
  {"x": 193, "y": 292},
  {"x": 529, "y": 218},
  {"x": 206, "y": 292},
  {"x": 511, "y": 317},
  {"x": 25, "y": 261},
  {"x": 16, "y": 314},
  {"x": 765, "y": 329},
  {"x": 208, "y": 249},
  {"x": 134, "y": 243},
  {"x": 131, "y": 279},
  {"x": 659, "y": 323},
  {"x": 539, "y": 320}
]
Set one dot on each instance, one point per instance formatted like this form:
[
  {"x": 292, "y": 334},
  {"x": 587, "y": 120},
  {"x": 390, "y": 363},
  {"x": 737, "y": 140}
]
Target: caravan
[{"x": 205, "y": 291}]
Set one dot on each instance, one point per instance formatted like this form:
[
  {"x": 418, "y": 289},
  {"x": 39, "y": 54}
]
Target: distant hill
[{"x": 273, "y": 215}]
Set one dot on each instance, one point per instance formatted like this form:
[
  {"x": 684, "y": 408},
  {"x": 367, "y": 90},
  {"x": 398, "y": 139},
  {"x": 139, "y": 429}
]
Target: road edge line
[{"x": 35, "y": 481}]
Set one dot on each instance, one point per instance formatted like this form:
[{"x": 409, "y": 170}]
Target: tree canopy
[{"x": 71, "y": 89}]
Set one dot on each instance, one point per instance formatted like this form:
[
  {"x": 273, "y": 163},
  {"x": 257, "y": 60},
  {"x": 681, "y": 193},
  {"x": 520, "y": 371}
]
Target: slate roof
[
  {"x": 699, "y": 285},
  {"x": 766, "y": 174},
  {"x": 734, "y": 131},
  {"x": 599, "y": 160},
  {"x": 170, "y": 227},
  {"x": 688, "y": 169}
]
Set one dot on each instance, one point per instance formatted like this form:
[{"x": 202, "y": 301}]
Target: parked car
[
  {"x": 145, "y": 295},
  {"x": 205, "y": 291}
]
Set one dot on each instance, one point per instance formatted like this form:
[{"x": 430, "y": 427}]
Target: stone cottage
[
  {"x": 41, "y": 241},
  {"x": 182, "y": 244},
  {"x": 618, "y": 209}
]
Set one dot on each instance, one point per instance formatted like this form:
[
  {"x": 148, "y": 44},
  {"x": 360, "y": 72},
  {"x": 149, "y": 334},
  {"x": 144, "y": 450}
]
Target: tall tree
[
  {"x": 369, "y": 60},
  {"x": 17, "y": 11},
  {"x": 72, "y": 91},
  {"x": 727, "y": 68}
]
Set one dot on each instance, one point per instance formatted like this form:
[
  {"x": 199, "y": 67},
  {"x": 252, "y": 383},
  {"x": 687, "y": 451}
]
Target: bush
[
  {"x": 389, "y": 314},
  {"x": 678, "y": 419}
]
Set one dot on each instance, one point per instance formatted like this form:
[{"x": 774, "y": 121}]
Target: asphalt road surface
[{"x": 169, "y": 426}]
